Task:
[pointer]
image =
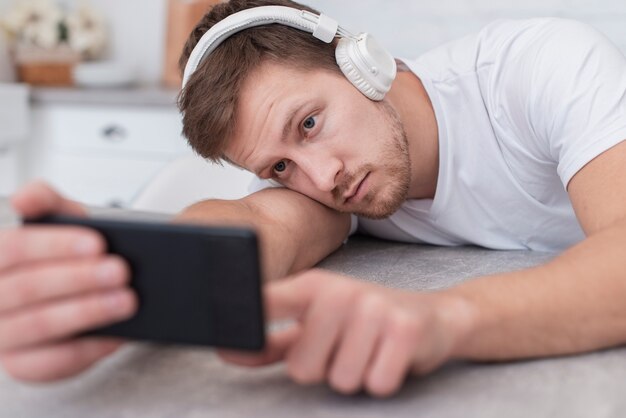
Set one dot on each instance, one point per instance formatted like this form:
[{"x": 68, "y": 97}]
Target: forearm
[
  {"x": 572, "y": 304},
  {"x": 294, "y": 232},
  {"x": 237, "y": 213}
]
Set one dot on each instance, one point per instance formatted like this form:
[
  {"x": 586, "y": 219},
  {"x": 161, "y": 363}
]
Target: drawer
[
  {"x": 14, "y": 112},
  {"x": 144, "y": 132},
  {"x": 98, "y": 181},
  {"x": 9, "y": 169}
]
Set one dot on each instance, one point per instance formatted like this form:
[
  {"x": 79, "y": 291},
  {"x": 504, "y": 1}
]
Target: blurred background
[
  {"x": 406, "y": 27},
  {"x": 97, "y": 116}
]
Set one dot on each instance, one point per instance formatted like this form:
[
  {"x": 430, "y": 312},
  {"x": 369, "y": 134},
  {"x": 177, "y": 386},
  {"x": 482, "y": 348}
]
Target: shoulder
[
  {"x": 503, "y": 42},
  {"x": 550, "y": 41},
  {"x": 530, "y": 32},
  {"x": 544, "y": 58}
]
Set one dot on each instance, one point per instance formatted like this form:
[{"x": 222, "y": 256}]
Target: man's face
[{"x": 315, "y": 133}]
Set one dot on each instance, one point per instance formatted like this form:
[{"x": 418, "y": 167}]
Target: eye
[
  {"x": 280, "y": 166},
  {"x": 309, "y": 123}
]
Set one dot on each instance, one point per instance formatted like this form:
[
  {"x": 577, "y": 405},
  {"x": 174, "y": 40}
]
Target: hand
[
  {"x": 356, "y": 335},
  {"x": 55, "y": 282}
]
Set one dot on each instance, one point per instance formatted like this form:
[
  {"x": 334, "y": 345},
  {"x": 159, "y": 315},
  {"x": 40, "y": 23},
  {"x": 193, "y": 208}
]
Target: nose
[{"x": 322, "y": 170}]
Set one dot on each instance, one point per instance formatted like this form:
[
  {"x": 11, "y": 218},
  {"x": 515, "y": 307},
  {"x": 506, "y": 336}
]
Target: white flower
[
  {"x": 87, "y": 31},
  {"x": 34, "y": 22}
]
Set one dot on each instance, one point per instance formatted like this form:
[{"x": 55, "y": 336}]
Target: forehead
[
  {"x": 266, "y": 98},
  {"x": 271, "y": 84}
]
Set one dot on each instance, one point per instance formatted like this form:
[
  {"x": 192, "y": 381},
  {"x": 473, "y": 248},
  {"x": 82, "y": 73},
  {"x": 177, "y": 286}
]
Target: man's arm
[
  {"x": 572, "y": 304},
  {"x": 576, "y": 302},
  {"x": 357, "y": 335},
  {"x": 57, "y": 281},
  {"x": 295, "y": 231}
]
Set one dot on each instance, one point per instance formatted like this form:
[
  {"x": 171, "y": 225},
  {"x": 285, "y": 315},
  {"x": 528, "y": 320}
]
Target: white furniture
[
  {"x": 103, "y": 147},
  {"x": 14, "y": 122},
  {"x": 189, "y": 179}
]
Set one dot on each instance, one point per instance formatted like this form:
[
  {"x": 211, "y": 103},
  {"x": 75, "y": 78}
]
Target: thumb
[
  {"x": 38, "y": 198},
  {"x": 278, "y": 345}
]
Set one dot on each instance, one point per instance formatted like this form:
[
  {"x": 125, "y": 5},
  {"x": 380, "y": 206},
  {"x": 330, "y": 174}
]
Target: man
[{"x": 512, "y": 138}]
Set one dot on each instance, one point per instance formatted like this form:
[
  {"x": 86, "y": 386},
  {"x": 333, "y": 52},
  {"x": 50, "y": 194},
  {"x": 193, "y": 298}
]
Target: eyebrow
[
  {"x": 286, "y": 130},
  {"x": 293, "y": 112},
  {"x": 289, "y": 123}
]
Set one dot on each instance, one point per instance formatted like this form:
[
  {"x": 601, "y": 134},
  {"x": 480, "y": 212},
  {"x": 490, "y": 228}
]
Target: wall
[
  {"x": 406, "y": 27},
  {"x": 409, "y": 28},
  {"x": 137, "y": 32}
]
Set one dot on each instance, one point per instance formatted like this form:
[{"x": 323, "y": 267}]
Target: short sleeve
[
  {"x": 571, "y": 83},
  {"x": 562, "y": 84}
]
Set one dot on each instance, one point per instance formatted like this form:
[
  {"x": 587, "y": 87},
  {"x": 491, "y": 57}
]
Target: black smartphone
[{"x": 198, "y": 285}]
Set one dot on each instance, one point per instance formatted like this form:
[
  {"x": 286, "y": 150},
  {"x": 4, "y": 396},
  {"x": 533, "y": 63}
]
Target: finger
[
  {"x": 38, "y": 198},
  {"x": 358, "y": 345},
  {"x": 37, "y": 243},
  {"x": 60, "y": 320},
  {"x": 57, "y": 361},
  {"x": 278, "y": 344},
  {"x": 308, "y": 360},
  {"x": 23, "y": 287},
  {"x": 392, "y": 360},
  {"x": 290, "y": 297}
]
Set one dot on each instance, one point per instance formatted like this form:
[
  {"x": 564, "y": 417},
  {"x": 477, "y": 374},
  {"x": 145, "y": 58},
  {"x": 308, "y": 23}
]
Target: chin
[
  {"x": 376, "y": 214},
  {"x": 384, "y": 208}
]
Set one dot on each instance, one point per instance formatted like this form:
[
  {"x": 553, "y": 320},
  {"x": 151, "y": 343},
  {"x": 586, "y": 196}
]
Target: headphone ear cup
[{"x": 344, "y": 53}]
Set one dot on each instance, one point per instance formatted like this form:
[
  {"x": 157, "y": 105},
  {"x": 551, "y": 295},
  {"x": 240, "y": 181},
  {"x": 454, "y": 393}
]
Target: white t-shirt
[{"x": 520, "y": 107}]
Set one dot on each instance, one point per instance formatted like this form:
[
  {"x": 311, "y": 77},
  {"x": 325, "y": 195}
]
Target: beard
[{"x": 395, "y": 166}]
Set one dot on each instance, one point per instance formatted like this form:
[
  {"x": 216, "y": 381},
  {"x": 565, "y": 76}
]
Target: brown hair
[{"x": 209, "y": 101}]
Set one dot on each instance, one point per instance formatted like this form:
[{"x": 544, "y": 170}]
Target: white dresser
[
  {"x": 103, "y": 147},
  {"x": 14, "y": 124}
]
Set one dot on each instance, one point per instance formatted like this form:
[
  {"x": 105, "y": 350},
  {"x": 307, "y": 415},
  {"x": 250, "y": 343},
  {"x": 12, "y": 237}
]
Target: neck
[{"x": 409, "y": 98}]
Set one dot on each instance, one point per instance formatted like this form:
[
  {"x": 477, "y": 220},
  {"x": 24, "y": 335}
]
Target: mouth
[{"x": 354, "y": 193}]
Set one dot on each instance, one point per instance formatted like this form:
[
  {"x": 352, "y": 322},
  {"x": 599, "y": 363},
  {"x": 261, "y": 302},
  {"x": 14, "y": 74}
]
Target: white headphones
[{"x": 362, "y": 60}]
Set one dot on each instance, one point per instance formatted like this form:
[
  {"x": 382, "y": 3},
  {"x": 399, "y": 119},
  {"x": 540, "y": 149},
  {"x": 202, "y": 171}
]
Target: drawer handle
[
  {"x": 114, "y": 133},
  {"x": 116, "y": 203}
]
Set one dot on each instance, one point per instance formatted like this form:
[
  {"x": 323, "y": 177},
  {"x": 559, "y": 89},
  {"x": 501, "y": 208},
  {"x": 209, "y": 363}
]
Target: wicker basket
[
  {"x": 41, "y": 67},
  {"x": 46, "y": 73}
]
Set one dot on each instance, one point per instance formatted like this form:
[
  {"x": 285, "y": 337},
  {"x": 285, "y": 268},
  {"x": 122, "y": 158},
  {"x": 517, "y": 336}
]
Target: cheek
[
  {"x": 357, "y": 127},
  {"x": 368, "y": 132}
]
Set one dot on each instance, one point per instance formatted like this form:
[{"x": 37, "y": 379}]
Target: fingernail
[
  {"x": 86, "y": 246},
  {"x": 108, "y": 272},
  {"x": 118, "y": 303}
]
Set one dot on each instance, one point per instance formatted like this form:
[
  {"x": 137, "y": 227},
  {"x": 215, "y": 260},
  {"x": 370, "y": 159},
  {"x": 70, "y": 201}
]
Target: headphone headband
[
  {"x": 361, "y": 59},
  {"x": 322, "y": 27}
]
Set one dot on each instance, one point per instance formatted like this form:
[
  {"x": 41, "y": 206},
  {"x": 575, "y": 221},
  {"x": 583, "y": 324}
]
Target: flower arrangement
[
  {"x": 34, "y": 22},
  {"x": 42, "y": 33}
]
